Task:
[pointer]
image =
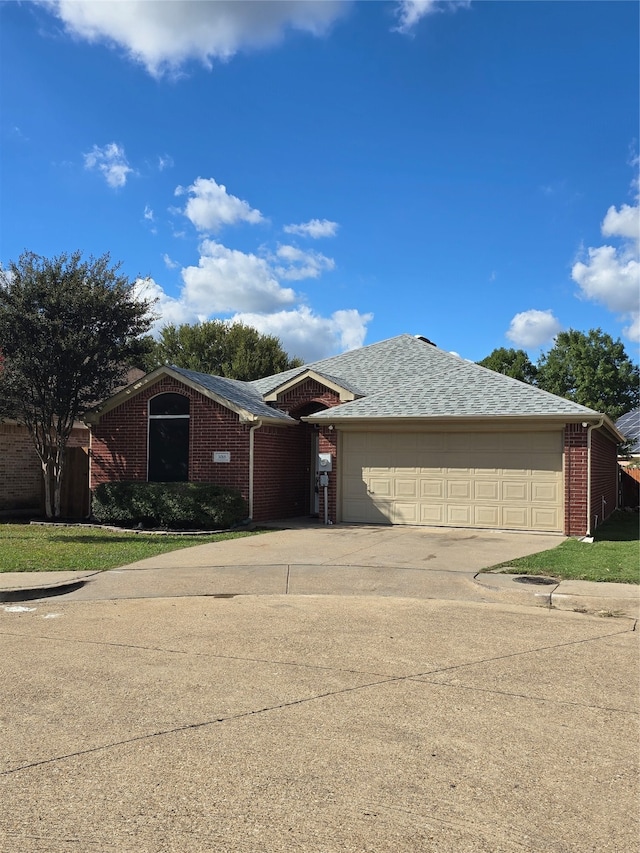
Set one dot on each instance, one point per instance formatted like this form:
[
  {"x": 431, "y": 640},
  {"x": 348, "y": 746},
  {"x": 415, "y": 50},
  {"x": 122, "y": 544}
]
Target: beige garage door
[{"x": 510, "y": 480}]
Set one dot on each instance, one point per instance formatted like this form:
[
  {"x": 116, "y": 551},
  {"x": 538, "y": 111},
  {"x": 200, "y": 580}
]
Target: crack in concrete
[{"x": 303, "y": 701}]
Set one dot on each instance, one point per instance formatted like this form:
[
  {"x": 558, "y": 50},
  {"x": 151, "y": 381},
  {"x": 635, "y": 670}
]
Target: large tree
[
  {"x": 511, "y": 362},
  {"x": 222, "y": 349},
  {"x": 68, "y": 329},
  {"x": 592, "y": 369}
]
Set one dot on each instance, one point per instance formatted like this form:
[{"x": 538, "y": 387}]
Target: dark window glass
[
  {"x": 169, "y": 404},
  {"x": 168, "y": 450}
]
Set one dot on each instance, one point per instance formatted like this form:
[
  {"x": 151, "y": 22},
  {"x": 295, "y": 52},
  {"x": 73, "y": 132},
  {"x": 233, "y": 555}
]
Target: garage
[{"x": 506, "y": 480}]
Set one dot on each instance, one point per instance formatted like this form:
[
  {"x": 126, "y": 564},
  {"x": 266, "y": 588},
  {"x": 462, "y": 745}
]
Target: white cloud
[
  {"x": 622, "y": 223},
  {"x": 165, "y": 162},
  {"x": 315, "y": 228},
  {"x": 111, "y": 161},
  {"x": 170, "y": 264},
  {"x": 409, "y": 12},
  {"x": 210, "y": 206},
  {"x": 310, "y": 336},
  {"x": 533, "y": 328},
  {"x": 164, "y": 34},
  {"x": 166, "y": 308},
  {"x": 611, "y": 275},
  {"x": 148, "y": 213},
  {"x": 230, "y": 280},
  {"x": 294, "y": 264}
]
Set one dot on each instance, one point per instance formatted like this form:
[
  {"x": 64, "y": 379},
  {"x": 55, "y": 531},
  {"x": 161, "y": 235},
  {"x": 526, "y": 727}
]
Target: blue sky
[{"x": 336, "y": 173}]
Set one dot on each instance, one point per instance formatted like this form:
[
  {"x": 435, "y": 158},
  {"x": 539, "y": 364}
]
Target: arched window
[{"x": 168, "y": 438}]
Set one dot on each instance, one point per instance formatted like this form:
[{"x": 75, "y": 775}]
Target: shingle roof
[
  {"x": 629, "y": 426},
  {"x": 240, "y": 394},
  {"x": 408, "y": 377}
]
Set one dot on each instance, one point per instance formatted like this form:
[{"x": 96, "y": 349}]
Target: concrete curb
[{"x": 27, "y": 586}]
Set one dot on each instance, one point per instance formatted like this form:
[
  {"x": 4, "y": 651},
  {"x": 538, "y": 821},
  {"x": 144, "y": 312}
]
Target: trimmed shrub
[{"x": 185, "y": 506}]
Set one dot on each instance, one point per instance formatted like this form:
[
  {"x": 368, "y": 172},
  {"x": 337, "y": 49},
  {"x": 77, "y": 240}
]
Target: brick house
[
  {"x": 413, "y": 434},
  {"x": 21, "y": 482}
]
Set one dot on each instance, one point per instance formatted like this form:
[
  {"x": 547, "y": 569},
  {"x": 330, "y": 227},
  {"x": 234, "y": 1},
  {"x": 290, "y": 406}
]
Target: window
[{"x": 168, "y": 438}]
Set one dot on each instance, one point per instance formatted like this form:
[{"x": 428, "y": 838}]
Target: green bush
[{"x": 185, "y": 506}]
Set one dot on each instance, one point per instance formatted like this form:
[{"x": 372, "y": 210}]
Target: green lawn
[
  {"x": 614, "y": 555},
  {"x": 45, "y": 548}
]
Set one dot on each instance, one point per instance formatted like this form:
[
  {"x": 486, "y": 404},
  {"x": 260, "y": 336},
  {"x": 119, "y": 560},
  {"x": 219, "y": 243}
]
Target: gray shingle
[
  {"x": 240, "y": 394},
  {"x": 407, "y": 377}
]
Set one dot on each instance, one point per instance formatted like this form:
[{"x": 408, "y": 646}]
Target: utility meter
[{"x": 324, "y": 462}]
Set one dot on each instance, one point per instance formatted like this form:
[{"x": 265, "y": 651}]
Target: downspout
[
  {"x": 252, "y": 430},
  {"x": 590, "y": 428}
]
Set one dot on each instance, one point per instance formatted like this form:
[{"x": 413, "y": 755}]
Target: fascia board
[
  {"x": 553, "y": 421},
  {"x": 344, "y": 395}
]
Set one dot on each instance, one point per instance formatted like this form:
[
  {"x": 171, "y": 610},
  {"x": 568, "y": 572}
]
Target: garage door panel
[
  {"x": 486, "y": 490},
  {"x": 459, "y": 515},
  {"x": 432, "y": 514},
  {"x": 516, "y": 490},
  {"x": 459, "y": 489},
  {"x": 355, "y": 488},
  {"x": 431, "y": 488},
  {"x": 380, "y": 486},
  {"x": 515, "y": 517},
  {"x": 544, "y": 519},
  {"x": 405, "y": 513},
  {"x": 405, "y": 488},
  {"x": 544, "y": 492},
  {"x": 488, "y": 480},
  {"x": 546, "y": 463},
  {"x": 486, "y": 516}
]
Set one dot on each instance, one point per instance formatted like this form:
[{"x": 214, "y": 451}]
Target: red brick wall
[
  {"x": 604, "y": 481},
  {"x": 328, "y": 443},
  {"x": 604, "y": 477},
  {"x": 307, "y": 392},
  {"x": 20, "y": 470},
  {"x": 281, "y": 472},
  {"x": 119, "y": 441},
  {"x": 575, "y": 480}
]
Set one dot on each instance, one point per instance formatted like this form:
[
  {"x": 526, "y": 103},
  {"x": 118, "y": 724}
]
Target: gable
[{"x": 237, "y": 397}]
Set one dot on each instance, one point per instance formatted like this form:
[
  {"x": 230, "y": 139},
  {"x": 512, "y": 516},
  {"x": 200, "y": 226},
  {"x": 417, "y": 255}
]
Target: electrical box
[
  {"x": 323, "y": 480},
  {"x": 324, "y": 462}
]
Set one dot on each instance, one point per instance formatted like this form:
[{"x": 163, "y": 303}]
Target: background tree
[
  {"x": 511, "y": 362},
  {"x": 68, "y": 330},
  {"x": 592, "y": 369},
  {"x": 235, "y": 351}
]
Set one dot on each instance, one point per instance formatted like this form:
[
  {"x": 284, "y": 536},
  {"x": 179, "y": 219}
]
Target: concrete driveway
[{"x": 207, "y": 720}]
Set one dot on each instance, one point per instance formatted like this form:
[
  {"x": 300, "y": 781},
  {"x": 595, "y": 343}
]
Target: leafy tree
[
  {"x": 235, "y": 351},
  {"x": 511, "y": 362},
  {"x": 68, "y": 329},
  {"x": 592, "y": 369}
]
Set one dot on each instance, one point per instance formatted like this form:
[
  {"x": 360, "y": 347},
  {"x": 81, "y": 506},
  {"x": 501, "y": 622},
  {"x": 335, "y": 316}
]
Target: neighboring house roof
[
  {"x": 629, "y": 426},
  {"x": 407, "y": 376}
]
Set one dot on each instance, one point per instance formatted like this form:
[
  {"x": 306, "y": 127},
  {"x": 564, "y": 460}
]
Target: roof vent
[{"x": 426, "y": 340}]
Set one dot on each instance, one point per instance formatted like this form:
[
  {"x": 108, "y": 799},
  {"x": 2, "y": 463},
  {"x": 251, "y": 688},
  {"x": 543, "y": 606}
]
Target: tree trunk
[
  {"x": 58, "y": 467},
  {"x": 46, "y": 474}
]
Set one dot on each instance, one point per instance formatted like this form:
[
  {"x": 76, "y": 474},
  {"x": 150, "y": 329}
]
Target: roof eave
[
  {"x": 244, "y": 415},
  {"x": 551, "y": 418}
]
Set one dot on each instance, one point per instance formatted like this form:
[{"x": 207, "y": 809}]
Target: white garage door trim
[{"x": 503, "y": 480}]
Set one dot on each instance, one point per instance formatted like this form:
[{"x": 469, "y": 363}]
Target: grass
[
  {"x": 44, "y": 548},
  {"x": 613, "y": 556}
]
